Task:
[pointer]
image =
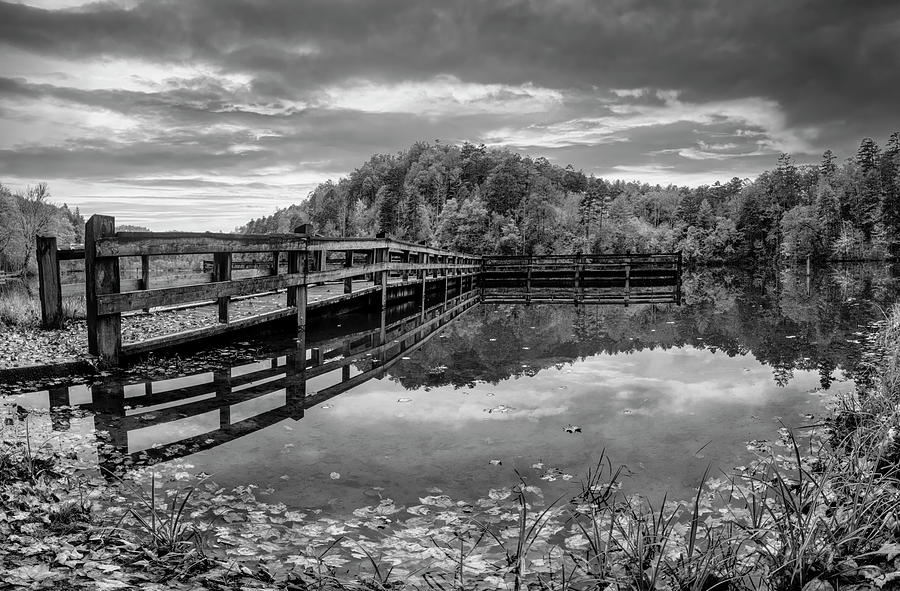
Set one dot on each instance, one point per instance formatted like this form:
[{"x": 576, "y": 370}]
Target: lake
[{"x": 469, "y": 399}]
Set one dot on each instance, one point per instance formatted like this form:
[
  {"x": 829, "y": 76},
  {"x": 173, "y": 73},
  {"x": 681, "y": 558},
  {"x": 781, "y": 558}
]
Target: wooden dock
[
  {"x": 310, "y": 261},
  {"x": 582, "y": 278},
  {"x": 127, "y": 273}
]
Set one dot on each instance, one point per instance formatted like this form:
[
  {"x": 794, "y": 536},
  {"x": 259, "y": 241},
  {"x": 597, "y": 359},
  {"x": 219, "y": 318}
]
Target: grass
[{"x": 18, "y": 308}]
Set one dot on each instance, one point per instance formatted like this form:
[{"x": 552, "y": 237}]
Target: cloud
[{"x": 206, "y": 88}]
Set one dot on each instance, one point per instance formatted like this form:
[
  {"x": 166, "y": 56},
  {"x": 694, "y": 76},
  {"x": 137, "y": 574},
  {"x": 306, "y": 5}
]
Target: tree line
[
  {"x": 28, "y": 213},
  {"x": 495, "y": 201}
]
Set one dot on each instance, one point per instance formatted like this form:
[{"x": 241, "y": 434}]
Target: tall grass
[{"x": 19, "y": 308}]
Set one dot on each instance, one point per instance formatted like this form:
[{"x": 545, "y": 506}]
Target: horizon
[{"x": 224, "y": 111}]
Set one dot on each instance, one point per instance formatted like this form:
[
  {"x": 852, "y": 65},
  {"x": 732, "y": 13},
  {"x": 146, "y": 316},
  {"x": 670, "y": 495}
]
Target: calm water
[{"x": 463, "y": 398}]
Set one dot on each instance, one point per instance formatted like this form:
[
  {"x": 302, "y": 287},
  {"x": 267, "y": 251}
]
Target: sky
[{"x": 202, "y": 114}]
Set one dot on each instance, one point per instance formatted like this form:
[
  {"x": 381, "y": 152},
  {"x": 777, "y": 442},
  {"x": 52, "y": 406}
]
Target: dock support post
[
  {"x": 627, "y": 280},
  {"x": 678, "y": 280},
  {"x": 274, "y": 269},
  {"x": 407, "y": 258},
  {"x": 381, "y": 277},
  {"x": 528, "y": 281},
  {"x": 222, "y": 272},
  {"x": 222, "y": 381},
  {"x": 578, "y": 297},
  {"x": 296, "y": 294},
  {"x": 348, "y": 263},
  {"x": 145, "y": 274},
  {"x": 101, "y": 276},
  {"x": 49, "y": 282}
]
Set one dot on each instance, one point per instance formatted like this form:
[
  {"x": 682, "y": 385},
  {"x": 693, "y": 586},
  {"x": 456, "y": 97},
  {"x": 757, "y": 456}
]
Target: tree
[
  {"x": 800, "y": 233},
  {"x": 34, "y": 216},
  {"x": 827, "y": 168}
]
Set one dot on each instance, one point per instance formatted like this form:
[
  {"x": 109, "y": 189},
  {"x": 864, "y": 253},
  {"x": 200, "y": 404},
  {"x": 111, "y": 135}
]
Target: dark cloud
[{"x": 284, "y": 85}]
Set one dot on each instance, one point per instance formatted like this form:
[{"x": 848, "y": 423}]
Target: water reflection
[
  {"x": 432, "y": 400},
  {"x": 170, "y": 418}
]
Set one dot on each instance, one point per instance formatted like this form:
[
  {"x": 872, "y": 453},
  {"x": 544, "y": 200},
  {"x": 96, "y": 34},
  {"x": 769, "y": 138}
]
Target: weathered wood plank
[
  {"x": 222, "y": 272},
  {"x": 135, "y": 300},
  {"x": 49, "y": 282},
  {"x": 159, "y": 243},
  {"x": 101, "y": 280}
]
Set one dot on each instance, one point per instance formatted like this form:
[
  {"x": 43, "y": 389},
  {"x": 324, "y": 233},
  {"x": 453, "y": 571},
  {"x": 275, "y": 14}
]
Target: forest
[
  {"x": 495, "y": 201},
  {"x": 484, "y": 200}
]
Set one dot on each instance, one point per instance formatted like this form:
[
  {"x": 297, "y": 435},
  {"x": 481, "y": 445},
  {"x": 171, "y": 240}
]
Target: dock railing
[{"x": 109, "y": 296}]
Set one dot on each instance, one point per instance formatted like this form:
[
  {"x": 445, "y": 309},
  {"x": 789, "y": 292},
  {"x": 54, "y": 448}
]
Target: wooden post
[
  {"x": 321, "y": 259},
  {"x": 381, "y": 277},
  {"x": 316, "y": 356},
  {"x": 222, "y": 272},
  {"x": 296, "y": 295},
  {"x": 424, "y": 285},
  {"x": 101, "y": 276},
  {"x": 678, "y": 280},
  {"x": 577, "y": 278},
  {"x": 222, "y": 381},
  {"x": 145, "y": 274},
  {"x": 445, "y": 260},
  {"x": 274, "y": 269},
  {"x": 49, "y": 283},
  {"x": 627, "y": 280},
  {"x": 348, "y": 263},
  {"x": 407, "y": 258},
  {"x": 528, "y": 281}
]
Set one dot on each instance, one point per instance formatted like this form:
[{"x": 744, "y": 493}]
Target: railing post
[
  {"x": 407, "y": 259},
  {"x": 627, "y": 280},
  {"x": 678, "y": 280},
  {"x": 445, "y": 260},
  {"x": 423, "y": 260},
  {"x": 296, "y": 294},
  {"x": 222, "y": 272},
  {"x": 381, "y": 256},
  {"x": 49, "y": 283},
  {"x": 101, "y": 276},
  {"x": 348, "y": 263},
  {"x": 528, "y": 281},
  {"x": 578, "y": 277},
  {"x": 145, "y": 274},
  {"x": 274, "y": 269}
]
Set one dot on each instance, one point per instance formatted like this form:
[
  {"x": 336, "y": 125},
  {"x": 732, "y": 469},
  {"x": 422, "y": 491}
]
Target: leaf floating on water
[
  {"x": 627, "y": 411},
  {"x": 538, "y": 465},
  {"x": 327, "y": 406},
  {"x": 572, "y": 429},
  {"x": 567, "y": 477},
  {"x": 492, "y": 340},
  {"x": 525, "y": 348},
  {"x": 335, "y": 475},
  {"x": 791, "y": 336},
  {"x": 496, "y": 463},
  {"x": 502, "y": 408},
  {"x": 404, "y": 400},
  {"x": 489, "y": 394},
  {"x": 405, "y": 358}
]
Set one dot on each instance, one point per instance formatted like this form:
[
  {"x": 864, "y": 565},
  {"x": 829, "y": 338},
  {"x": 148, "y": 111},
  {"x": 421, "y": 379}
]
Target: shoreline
[{"x": 854, "y": 467}]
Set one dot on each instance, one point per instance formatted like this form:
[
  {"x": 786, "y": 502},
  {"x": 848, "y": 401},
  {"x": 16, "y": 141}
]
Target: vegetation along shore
[{"x": 815, "y": 510}]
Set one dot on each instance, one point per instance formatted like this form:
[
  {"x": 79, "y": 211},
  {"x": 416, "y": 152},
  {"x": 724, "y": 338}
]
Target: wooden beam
[
  {"x": 49, "y": 283},
  {"x": 134, "y": 300},
  {"x": 222, "y": 272},
  {"x": 348, "y": 263},
  {"x": 159, "y": 243},
  {"x": 102, "y": 281}
]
